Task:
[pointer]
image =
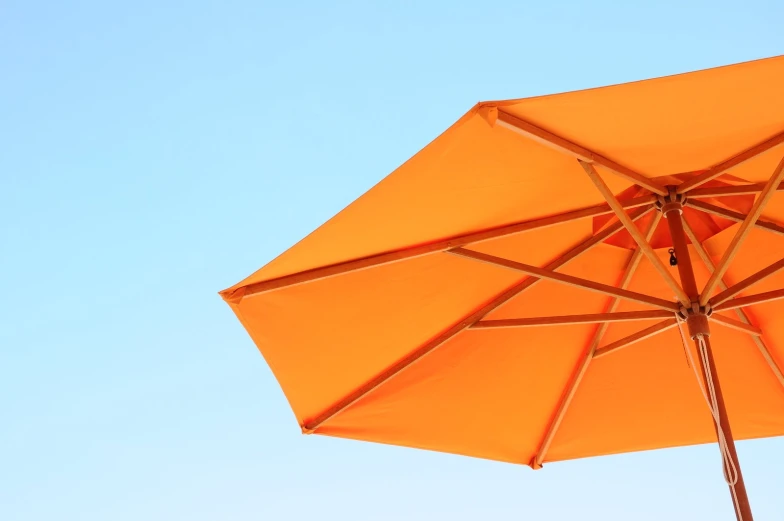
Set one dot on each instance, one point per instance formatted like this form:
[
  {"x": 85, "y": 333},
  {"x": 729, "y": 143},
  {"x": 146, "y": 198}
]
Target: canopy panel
[{"x": 381, "y": 347}]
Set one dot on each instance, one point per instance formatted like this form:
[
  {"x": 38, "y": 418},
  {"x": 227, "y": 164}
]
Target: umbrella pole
[
  {"x": 738, "y": 490},
  {"x": 671, "y": 208}
]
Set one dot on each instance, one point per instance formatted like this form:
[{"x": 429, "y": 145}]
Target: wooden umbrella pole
[
  {"x": 672, "y": 210},
  {"x": 738, "y": 489}
]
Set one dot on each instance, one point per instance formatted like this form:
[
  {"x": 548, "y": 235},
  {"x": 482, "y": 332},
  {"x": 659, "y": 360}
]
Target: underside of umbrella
[{"x": 527, "y": 287}]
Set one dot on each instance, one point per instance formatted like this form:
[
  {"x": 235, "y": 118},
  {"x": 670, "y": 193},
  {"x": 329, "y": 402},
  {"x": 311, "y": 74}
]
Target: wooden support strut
[
  {"x": 733, "y": 215},
  {"x": 547, "y": 138},
  {"x": 742, "y": 316},
  {"x": 569, "y": 280},
  {"x": 743, "y": 231},
  {"x": 725, "y": 191},
  {"x": 736, "y": 324},
  {"x": 310, "y": 425},
  {"x": 710, "y": 374},
  {"x": 596, "y": 318},
  {"x": 426, "y": 249},
  {"x": 639, "y": 336},
  {"x": 746, "y": 283},
  {"x": 582, "y": 367},
  {"x": 635, "y": 232},
  {"x": 736, "y": 160},
  {"x": 757, "y": 298}
]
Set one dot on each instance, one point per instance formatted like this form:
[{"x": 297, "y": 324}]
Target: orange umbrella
[{"x": 522, "y": 289}]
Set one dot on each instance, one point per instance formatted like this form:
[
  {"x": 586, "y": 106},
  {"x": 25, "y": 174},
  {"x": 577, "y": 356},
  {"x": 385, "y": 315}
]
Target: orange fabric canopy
[{"x": 367, "y": 322}]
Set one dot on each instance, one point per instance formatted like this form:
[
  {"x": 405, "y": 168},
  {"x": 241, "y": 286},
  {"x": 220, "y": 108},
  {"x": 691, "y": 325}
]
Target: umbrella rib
[
  {"x": 567, "y": 279},
  {"x": 635, "y": 233},
  {"x": 736, "y": 160},
  {"x": 594, "y": 318},
  {"x": 736, "y": 324},
  {"x": 577, "y": 375},
  {"x": 639, "y": 336},
  {"x": 757, "y": 298},
  {"x": 758, "y": 340},
  {"x": 309, "y": 426},
  {"x": 722, "y": 191},
  {"x": 740, "y": 236},
  {"x": 425, "y": 249},
  {"x": 749, "y": 281},
  {"x": 551, "y": 140},
  {"x": 733, "y": 215}
]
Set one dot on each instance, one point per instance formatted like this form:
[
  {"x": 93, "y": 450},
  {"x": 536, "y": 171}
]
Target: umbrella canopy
[{"x": 522, "y": 288}]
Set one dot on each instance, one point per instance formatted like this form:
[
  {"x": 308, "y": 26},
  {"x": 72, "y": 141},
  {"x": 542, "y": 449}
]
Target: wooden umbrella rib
[
  {"x": 757, "y": 298},
  {"x": 742, "y": 316},
  {"x": 743, "y": 231},
  {"x": 636, "y": 337},
  {"x": 733, "y": 215},
  {"x": 595, "y": 318},
  {"x": 425, "y": 249},
  {"x": 567, "y": 279},
  {"x": 635, "y": 233},
  {"x": 746, "y": 283},
  {"x": 723, "y": 191},
  {"x": 310, "y": 425},
  {"x": 551, "y": 140},
  {"x": 579, "y": 373},
  {"x": 736, "y": 324},
  {"x": 736, "y": 160}
]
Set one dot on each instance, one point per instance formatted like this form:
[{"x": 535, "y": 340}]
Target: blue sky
[{"x": 144, "y": 142}]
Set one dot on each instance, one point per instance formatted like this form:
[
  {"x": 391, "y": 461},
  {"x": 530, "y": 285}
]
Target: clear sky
[{"x": 156, "y": 152}]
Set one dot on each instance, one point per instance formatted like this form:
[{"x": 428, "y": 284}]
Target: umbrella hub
[
  {"x": 696, "y": 319},
  {"x": 704, "y": 225},
  {"x": 672, "y": 202}
]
